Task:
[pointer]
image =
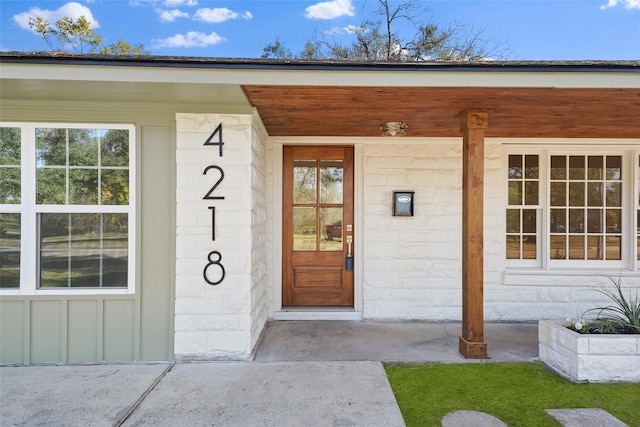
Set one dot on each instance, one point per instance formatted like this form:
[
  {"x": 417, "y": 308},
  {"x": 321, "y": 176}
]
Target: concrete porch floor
[{"x": 400, "y": 342}]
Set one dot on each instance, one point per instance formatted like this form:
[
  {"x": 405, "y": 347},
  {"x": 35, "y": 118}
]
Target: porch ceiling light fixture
[{"x": 393, "y": 129}]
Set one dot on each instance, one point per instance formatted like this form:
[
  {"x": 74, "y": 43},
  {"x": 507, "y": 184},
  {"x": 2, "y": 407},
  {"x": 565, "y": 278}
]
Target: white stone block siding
[
  {"x": 222, "y": 321},
  {"x": 592, "y": 358}
]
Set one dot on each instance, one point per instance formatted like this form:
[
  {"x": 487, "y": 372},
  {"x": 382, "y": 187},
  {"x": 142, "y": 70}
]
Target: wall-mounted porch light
[{"x": 393, "y": 128}]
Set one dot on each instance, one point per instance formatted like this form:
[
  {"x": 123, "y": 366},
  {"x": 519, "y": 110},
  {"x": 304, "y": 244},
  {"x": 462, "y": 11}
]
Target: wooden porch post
[{"x": 471, "y": 342}]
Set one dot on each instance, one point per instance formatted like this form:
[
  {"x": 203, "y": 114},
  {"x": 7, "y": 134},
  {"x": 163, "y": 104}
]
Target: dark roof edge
[{"x": 66, "y": 58}]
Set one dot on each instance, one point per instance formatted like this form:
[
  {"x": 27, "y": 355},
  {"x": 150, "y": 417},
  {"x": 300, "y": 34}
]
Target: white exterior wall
[
  {"x": 411, "y": 267},
  {"x": 222, "y": 321}
]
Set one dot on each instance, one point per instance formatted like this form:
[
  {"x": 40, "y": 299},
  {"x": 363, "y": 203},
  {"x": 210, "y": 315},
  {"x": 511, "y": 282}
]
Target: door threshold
[{"x": 317, "y": 313}]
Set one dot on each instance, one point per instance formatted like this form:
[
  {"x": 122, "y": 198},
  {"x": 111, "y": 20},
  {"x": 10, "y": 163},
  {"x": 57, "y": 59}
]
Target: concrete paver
[
  {"x": 585, "y": 417},
  {"x": 271, "y": 394},
  {"x": 97, "y": 395}
]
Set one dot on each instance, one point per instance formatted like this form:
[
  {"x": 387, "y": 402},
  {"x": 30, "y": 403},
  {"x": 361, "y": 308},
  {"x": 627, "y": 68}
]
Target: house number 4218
[{"x": 213, "y": 271}]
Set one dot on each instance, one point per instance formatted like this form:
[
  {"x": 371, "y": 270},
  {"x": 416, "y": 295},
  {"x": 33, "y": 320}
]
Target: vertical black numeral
[
  {"x": 219, "y": 142},
  {"x": 216, "y": 262},
  {"x": 213, "y": 223},
  {"x": 208, "y": 196}
]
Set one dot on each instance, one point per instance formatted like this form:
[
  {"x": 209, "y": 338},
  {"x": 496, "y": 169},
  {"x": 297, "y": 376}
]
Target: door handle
[{"x": 349, "y": 266}]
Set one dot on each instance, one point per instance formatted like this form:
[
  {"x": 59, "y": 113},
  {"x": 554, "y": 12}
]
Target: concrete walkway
[{"x": 304, "y": 374}]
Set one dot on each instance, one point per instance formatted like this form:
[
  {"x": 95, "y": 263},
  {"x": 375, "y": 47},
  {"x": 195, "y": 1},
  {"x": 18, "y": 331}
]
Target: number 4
[{"x": 219, "y": 143}]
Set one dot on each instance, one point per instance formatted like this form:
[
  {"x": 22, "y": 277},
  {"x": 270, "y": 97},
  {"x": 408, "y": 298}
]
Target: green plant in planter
[{"x": 620, "y": 317}]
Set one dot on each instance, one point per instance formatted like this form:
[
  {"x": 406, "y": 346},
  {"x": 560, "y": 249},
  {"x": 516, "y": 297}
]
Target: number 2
[{"x": 208, "y": 196}]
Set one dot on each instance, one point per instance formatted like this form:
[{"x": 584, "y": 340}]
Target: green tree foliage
[
  {"x": 385, "y": 39},
  {"x": 80, "y": 37}
]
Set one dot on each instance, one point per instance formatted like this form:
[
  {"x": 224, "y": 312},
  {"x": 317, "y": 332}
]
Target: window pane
[
  {"x": 304, "y": 181},
  {"x": 51, "y": 147},
  {"x": 10, "y": 185},
  {"x": 331, "y": 221},
  {"x": 614, "y": 194},
  {"x": 83, "y": 250},
  {"x": 513, "y": 220},
  {"x": 558, "y": 221},
  {"x": 513, "y": 247},
  {"x": 83, "y": 147},
  {"x": 558, "y": 194},
  {"x": 515, "y": 166},
  {"x": 10, "y": 250},
  {"x": 594, "y": 247},
  {"x": 115, "y": 187},
  {"x": 576, "y": 167},
  {"x": 515, "y": 192},
  {"x": 531, "y": 192},
  {"x": 576, "y": 247},
  {"x": 529, "y": 222},
  {"x": 576, "y": 194},
  {"x": 529, "y": 248},
  {"x": 52, "y": 186},
  {"x": 531, "y": 167},
  {"x": 594, "y": 194},
  {"x": 614, "y": 221},
  {"x": 614, "y": 247},
  {"x": 596, "y": 167},
  {"x": 594, "y": 220},
  {"x": 115, "y": 148},
  {"x": 83, "y": 187},
  {"x": 304, "y": 229},
  {"x": 331, "y": 172},
  {"x": 558, "y": 167},
  {"x": 10, "y": 160},
  {"x": 558, "y": 247},
  {"x": 614, "y": 167},
  {"x": 576, "y": 221}
]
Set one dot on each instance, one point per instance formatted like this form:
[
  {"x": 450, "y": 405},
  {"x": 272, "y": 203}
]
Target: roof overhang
[{"x": 323, "y": 98}]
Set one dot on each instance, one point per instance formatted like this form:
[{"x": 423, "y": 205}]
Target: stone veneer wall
[
  {"x": 223, "y": 321},
  {"x": 592, "y": 358}
]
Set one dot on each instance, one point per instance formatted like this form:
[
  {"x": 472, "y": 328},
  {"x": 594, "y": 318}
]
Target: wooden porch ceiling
[{"x": 433, "y": 111}]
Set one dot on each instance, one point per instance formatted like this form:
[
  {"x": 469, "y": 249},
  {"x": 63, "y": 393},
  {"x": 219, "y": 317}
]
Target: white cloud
[
  {"x": 349, "y": 29},
  {"x": 171, "y": 15},
  {"x": 176, "y": 3},
  {"x": 218, "y": 15},
  {"x": 191, "y": 39},
  {"x": 330, "y": 9},
  {"x": 628, "y": 4},
  {"x": 72, "y": 10}
]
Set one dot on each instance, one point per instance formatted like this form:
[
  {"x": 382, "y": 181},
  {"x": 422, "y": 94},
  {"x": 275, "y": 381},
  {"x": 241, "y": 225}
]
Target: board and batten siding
[{"x": 59, "y": 329}]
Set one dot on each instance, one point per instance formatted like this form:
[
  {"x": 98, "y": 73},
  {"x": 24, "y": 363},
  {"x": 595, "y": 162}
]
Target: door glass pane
[
  {"x": 331, "y": 175},
  {"x": 9, "y": 250},
  {"x": 304, "y": 181},
  {"x": 304, "y": 229},
  {"x": 331, "y": 234}
]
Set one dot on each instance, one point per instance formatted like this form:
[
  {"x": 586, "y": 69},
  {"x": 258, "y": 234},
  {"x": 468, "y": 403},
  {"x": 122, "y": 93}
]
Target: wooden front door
[{"x": 317, "y": 225}]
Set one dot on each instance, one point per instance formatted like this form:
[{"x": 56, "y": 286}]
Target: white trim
[
  {"x": 319, "y": 314},
  {"x": 277, "y": 228},
  {"x": 335, "y": 77}
]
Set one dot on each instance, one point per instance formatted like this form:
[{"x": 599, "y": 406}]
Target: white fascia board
[{"x": 255, "y": 76}]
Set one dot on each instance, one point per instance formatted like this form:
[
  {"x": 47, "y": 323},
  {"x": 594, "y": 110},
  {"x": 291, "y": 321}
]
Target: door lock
[{"x": 349, "y": 227}]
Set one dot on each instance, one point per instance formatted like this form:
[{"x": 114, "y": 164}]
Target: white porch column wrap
[{"x": 219, "y": 316}]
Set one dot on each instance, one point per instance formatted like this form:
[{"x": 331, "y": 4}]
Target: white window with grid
[{"x": 67, "y": 223}]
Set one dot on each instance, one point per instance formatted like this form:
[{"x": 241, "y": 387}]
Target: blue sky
[{"x": 530, "y": 29}]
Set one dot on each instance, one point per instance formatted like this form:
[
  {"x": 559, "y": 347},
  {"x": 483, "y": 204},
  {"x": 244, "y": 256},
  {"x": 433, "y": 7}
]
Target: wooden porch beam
[{"x": 471, "y": 343}]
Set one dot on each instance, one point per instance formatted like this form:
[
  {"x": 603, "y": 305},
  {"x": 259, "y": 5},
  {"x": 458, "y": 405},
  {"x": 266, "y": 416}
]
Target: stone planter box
[{"x": 590, "y": 358}]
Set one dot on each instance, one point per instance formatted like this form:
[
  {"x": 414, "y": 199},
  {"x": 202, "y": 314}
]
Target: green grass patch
[{"x": 516, "y": 393}]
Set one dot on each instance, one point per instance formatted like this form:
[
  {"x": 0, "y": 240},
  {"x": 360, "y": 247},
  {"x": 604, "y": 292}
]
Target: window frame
[
  {"x": 630, "y": 205},
  {"x": 30, "y": 212}
]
